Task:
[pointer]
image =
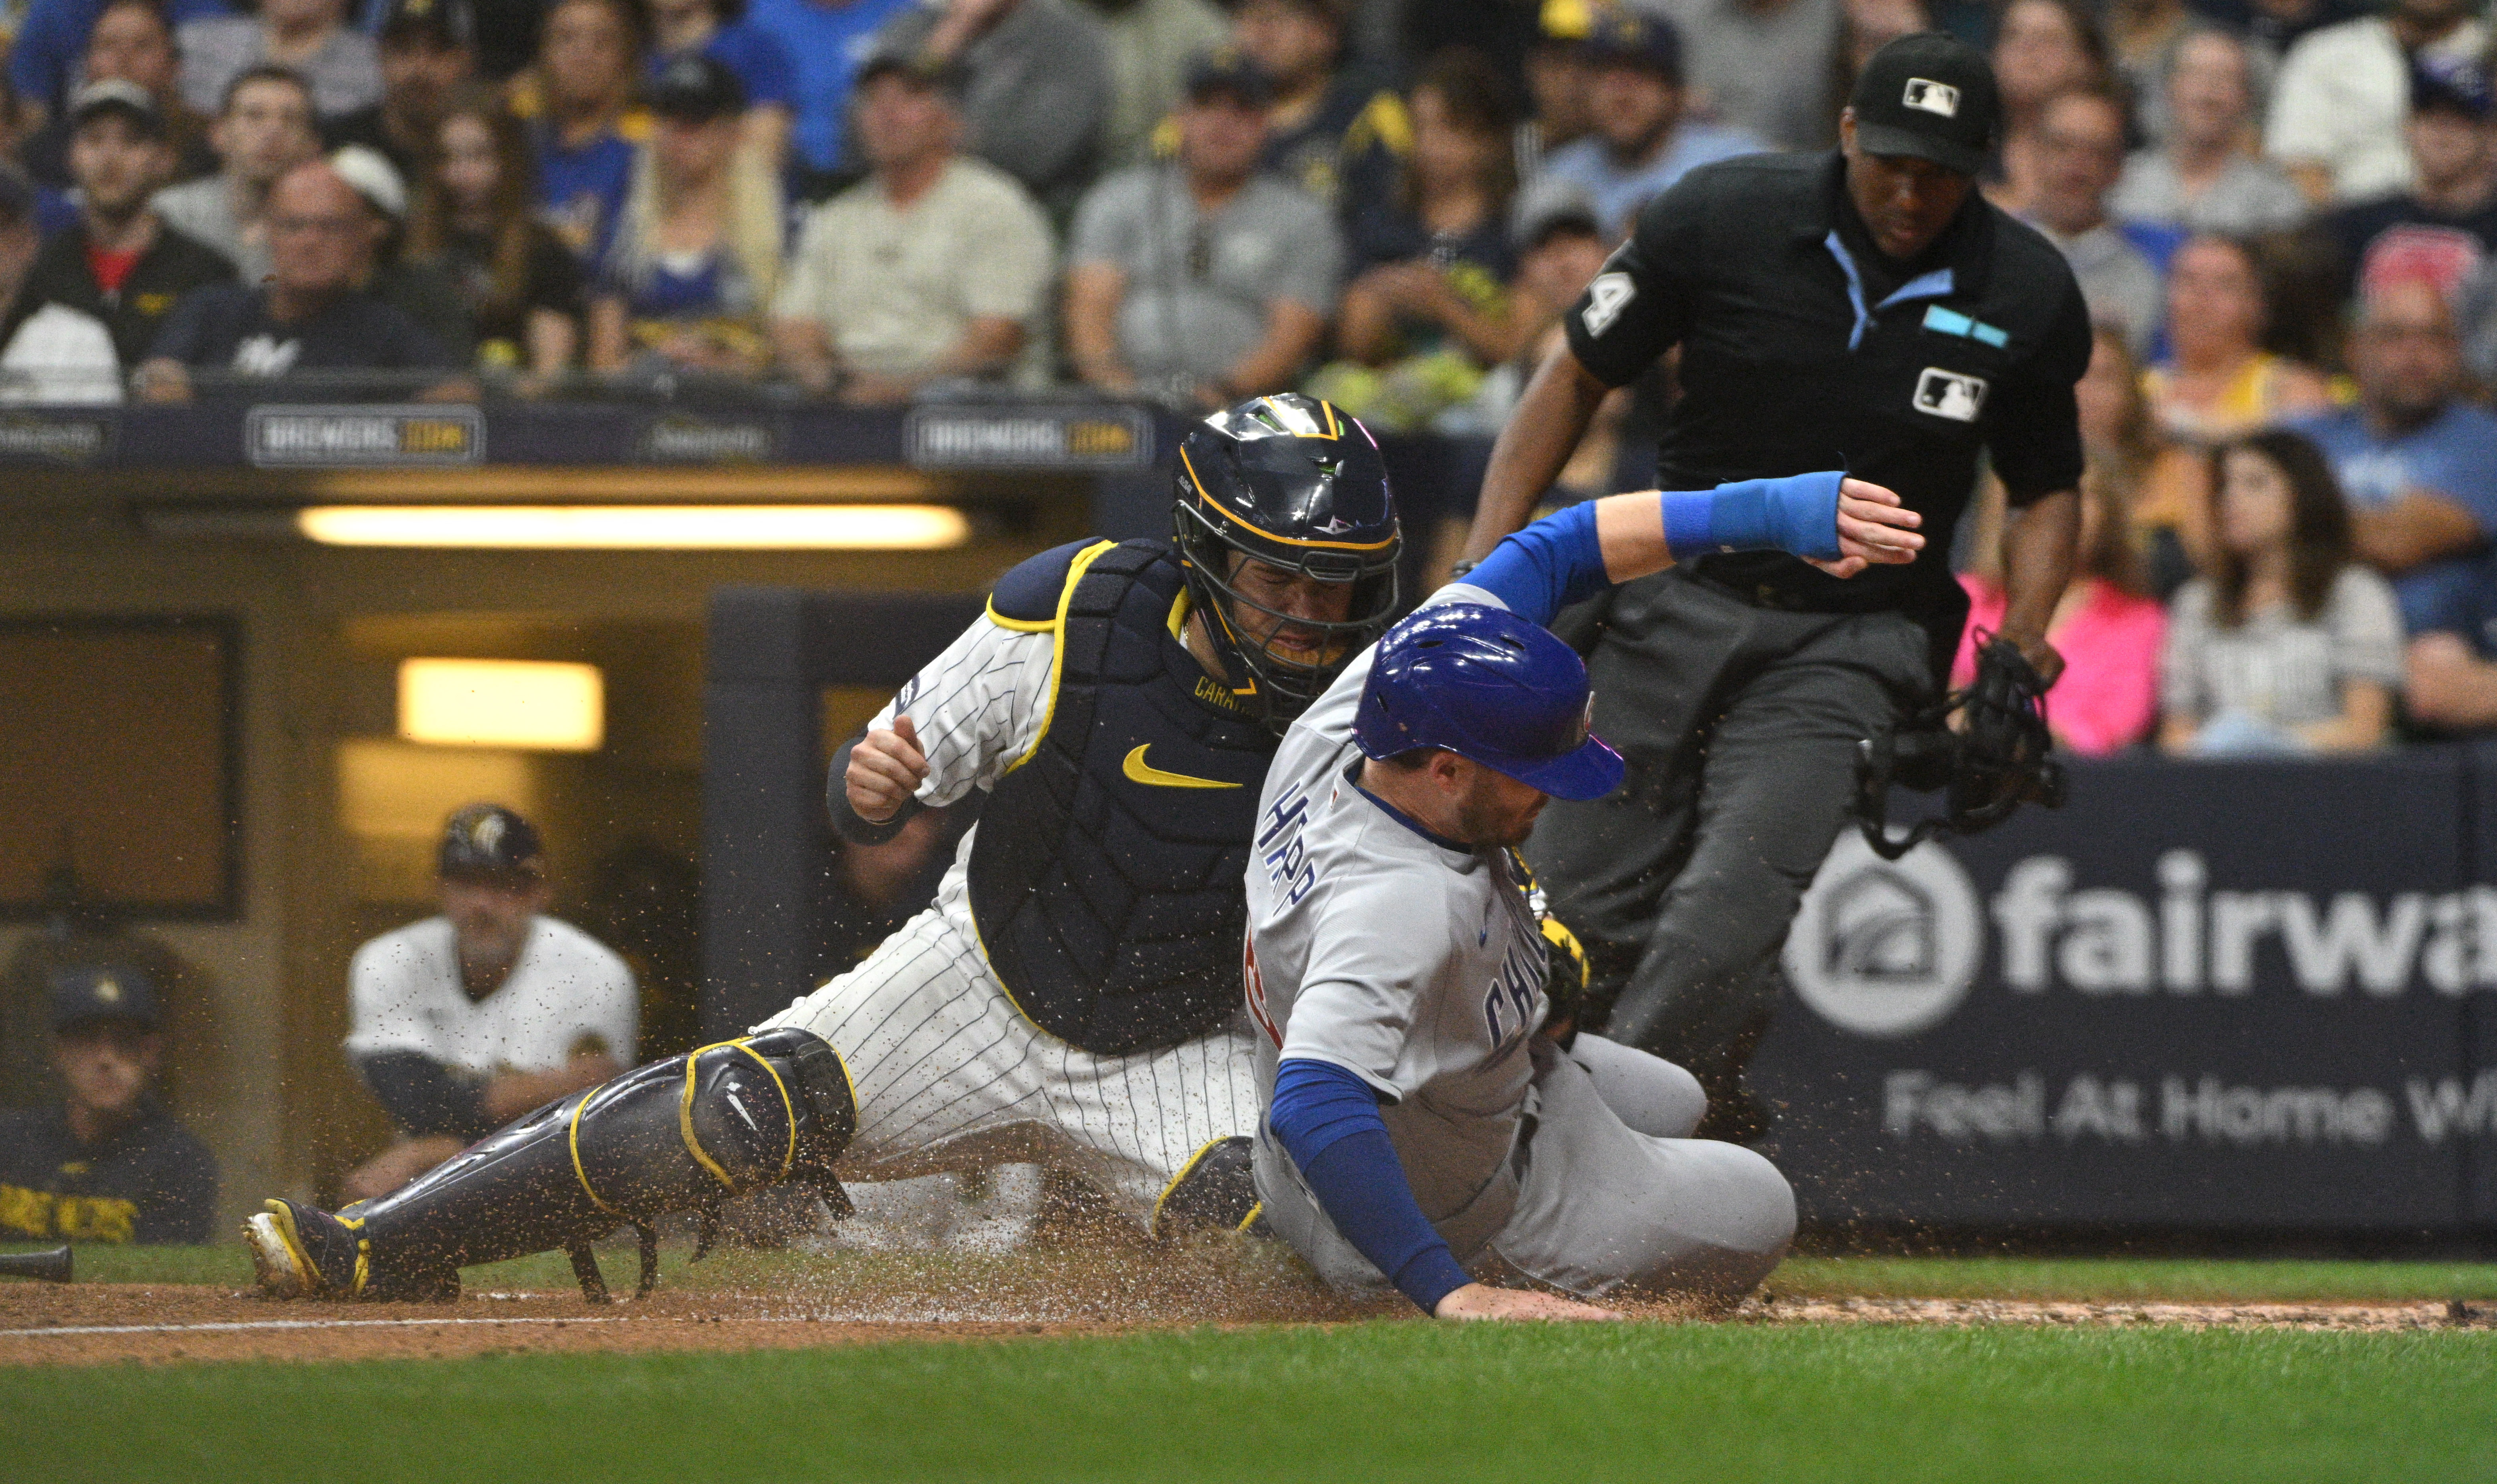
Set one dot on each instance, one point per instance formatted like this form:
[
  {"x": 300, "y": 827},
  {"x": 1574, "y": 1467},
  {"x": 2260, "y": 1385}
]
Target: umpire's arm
[{"x": 2034, "y": 435}]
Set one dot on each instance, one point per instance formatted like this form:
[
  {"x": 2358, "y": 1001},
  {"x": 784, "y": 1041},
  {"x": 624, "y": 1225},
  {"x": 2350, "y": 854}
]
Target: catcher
[
  {"x": 1865, "y": 309},
  {"x": 1073, "y": 994}
]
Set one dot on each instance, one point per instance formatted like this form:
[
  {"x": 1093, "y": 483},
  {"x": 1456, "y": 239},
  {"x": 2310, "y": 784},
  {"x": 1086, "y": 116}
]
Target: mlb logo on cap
[{"x": 1933, "y": 97}]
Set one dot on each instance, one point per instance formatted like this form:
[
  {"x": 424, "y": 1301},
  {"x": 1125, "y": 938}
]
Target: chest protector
[{"x": 1105, "y": 874}]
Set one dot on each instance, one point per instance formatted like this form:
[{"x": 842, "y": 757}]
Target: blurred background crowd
[{"x": 2281, "y": 212}]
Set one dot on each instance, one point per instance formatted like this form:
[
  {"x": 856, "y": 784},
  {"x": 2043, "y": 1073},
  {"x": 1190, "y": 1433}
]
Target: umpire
[{"x": 1867, "y": 310}]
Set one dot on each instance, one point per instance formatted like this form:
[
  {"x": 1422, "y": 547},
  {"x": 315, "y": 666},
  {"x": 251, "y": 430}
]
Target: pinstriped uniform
[{"x": 949, "y": 1074}]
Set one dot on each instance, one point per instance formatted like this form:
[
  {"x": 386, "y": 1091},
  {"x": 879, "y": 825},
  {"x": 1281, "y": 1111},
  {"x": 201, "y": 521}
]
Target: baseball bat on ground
[{"x": 52, "y": 1267}]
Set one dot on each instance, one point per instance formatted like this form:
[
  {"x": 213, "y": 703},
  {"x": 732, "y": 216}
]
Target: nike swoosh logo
[{"x": 1138, "y": 771}]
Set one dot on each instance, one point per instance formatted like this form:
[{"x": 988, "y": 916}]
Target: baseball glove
[{"x": 1998, "y": 756}]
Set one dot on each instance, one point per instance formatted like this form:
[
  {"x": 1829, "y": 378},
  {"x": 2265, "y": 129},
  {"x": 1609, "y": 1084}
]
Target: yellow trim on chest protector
[
  {"x": 1138, "y": 770},
  {"x": 1075, "y": 571}
]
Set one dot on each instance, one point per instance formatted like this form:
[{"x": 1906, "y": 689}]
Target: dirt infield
[{"x": 102, "y": 1323}]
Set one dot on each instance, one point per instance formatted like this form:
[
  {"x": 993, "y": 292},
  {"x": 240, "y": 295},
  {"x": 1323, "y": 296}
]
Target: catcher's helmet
[
  {"x": 1292, "y": 482},
  {"x": 1486, "y": 684}
]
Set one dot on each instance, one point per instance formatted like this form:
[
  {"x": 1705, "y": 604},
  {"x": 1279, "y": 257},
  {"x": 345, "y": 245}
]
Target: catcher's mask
[
  {"x": 1296, "y": 483},
  {"x": 1998, "y": 757}
]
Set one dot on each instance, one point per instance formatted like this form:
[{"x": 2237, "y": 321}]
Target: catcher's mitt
[{"x": 1998, "y": 757}]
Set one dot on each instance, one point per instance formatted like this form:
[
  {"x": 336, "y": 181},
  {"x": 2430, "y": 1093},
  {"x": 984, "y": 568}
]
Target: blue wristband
[{"x": 1797, "y": 514}]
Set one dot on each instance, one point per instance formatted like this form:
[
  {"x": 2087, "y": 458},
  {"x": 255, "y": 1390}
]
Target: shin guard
[{"x": 683, "y": 1134}]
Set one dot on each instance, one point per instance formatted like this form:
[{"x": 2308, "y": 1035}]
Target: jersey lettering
[
  {"x": 1280, "y": 848},
  {"x": 1606, "y": 298},
  {"x": 1509, "y": 1006}
]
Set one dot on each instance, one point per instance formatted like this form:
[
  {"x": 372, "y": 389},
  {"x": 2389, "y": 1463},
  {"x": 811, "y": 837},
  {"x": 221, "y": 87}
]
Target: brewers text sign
[{"x": 363, "y": 437}]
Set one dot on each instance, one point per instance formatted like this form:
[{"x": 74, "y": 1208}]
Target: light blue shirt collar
[{"x": 1933, "y": 284}]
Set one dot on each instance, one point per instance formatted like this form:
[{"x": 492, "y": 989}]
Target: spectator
[
  {"x": 2107, "y": 629},
  {"x": 826, "y": 40},
  {"x": 2343, "y": 92},
  {"x": 2142, "y": 39},
  {"x": 2044, "y": 49},
  {"x": 475, "y": 221},
  {"x": 1641, "y": 143},
  {"x": 585, "y": 137},
  {"x": 420, "y": 291},
  {"x": 263, "y": 130},
  {"x": 105, "y": 1164},
  {"x": 697, "y": 256},
  {"x": 1556, "y": 79},
  {"x": 1768, "y": 68},
  {"x": 2444, "y": 224},
  {"x": 1151, "y": 43},
  {"x": 935, "y": 265},
  {"x": 2288, "y": 646},
  {"x": 310, "y": 315},
  {"x": 717, "y": 29},
  {"x": 2078, "y": 157},
  {"x": 1559, "y": 250},
  {"x": 464, "y": 1021},
  {"x": 2418, "y": 463},
  {"x": 57, "y": 354},
  {"x": 2219, "y": 383},
  {"x": 1203, "y": 280},
  {"x": 1429, "y": 311},
  {"x": 119, "y": 265},
  {"x": 131, "y": 43},
  {"x": 1334, "y": 128},
  {"x": 429, "y": 52},
  {"x": 309, "y": 38},
  {"x": 47, "y": 56},
  {"x": 2203, "y": 178},
  {"x": 2272, "y": 27},
  {"x": 1037, "y": 86}
]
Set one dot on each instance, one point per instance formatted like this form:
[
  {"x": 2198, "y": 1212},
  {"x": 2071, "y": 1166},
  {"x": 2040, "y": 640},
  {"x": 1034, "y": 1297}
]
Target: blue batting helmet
[{"x": 1486, "y": 684}]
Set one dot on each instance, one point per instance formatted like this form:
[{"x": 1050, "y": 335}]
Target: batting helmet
[
  {"x": 1292, "y": 482},
  {"x": 1485, "y": 684}
]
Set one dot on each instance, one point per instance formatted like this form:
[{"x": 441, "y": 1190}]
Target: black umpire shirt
[
  {"x": 149, "y": 1181},
  {"x": 1803, "y": 348}
]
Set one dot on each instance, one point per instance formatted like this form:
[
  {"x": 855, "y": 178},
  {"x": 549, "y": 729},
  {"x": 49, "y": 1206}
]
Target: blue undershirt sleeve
[
  {"x": 1544, "y": 567},
  {"x": 1328, "y": 1122}
]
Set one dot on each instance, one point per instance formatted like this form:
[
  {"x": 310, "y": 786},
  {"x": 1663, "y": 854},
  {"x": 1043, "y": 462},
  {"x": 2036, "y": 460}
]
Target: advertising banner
[{"x": 2202, "y": 995}]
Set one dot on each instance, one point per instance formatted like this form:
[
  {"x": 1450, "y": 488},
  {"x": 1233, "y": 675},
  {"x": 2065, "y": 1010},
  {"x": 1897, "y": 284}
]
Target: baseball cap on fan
[
  {"x": 492, "y": 846},
  {"x": 1930, "y": 97}
]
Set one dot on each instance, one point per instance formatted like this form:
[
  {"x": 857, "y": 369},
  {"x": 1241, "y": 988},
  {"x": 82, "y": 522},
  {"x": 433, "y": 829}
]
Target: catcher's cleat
[
  {"x": 1213, "y": 1191},
  {"x": 301, "y": 1253}
]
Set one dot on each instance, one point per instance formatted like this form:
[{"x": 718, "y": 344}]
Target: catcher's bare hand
[
  {"x": 886, "y": 768},
  {"x": 1872, "y": 526},
  {"x": 1480, "y": 1301}
]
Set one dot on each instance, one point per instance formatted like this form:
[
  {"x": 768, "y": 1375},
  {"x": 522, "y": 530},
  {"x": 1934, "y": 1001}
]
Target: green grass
[
  {"x": 1369, "y": 1403},
  {"x": 2113, "y": 1279}
]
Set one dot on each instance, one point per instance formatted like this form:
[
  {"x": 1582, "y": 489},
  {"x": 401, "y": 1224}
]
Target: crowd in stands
[{"x": 2283, "y": 216}]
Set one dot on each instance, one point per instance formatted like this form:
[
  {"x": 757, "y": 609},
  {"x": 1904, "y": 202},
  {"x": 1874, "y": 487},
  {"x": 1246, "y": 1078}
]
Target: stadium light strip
[{"x": 640, "y": 527}]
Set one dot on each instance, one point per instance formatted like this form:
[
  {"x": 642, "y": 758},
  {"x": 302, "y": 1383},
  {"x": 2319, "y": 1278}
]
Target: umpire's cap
[
  {"x": 1485, "y": 684},
  {"x": 488, "y": 844},
  {"x": 1931, "y": 97}
]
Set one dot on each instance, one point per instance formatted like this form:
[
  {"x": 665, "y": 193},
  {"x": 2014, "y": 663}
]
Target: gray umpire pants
[{"x": 1739, "y": 724}]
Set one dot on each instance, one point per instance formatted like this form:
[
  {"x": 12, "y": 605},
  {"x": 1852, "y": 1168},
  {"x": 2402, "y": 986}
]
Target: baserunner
[{"x": 1418, "y": 1129}]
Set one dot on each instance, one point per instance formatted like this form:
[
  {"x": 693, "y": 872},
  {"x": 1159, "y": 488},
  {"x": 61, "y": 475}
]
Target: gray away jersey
[{"x": 1416, "y": 968}]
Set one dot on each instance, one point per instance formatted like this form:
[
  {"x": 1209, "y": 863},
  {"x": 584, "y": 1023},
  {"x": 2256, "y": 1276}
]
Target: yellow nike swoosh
[{"x": 1138, "y": 771}]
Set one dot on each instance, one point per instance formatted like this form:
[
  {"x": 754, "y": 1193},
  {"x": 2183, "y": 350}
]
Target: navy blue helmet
[
  {"x": 1485, "y": 684},
  {"x": 1296, "y": 483}
]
